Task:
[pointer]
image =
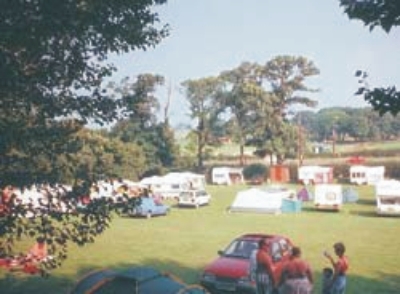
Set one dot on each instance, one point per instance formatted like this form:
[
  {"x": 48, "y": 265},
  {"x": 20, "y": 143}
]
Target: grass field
[{"x": 183, "y": 242}]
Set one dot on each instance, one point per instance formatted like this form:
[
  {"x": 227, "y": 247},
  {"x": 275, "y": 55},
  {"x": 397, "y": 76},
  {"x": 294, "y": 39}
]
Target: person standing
[
  {"x": 264, "y": 275},
  {"x": 296, "y": 276},
  {"x": 338, "y": 282}
]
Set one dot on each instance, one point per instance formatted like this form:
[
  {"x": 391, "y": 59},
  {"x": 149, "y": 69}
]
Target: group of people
[{"x": 296, "y": 276}]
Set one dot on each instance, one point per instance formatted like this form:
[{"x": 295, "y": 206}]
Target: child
[{"x": 327, "y": 274}]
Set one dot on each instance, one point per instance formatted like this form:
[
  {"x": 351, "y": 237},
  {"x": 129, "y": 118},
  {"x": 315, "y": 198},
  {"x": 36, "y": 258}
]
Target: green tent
[{"x": 137, "y": 280}]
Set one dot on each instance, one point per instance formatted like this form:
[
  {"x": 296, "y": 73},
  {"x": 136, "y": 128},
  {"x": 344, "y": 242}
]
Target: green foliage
[
  {"x": 256, "y": 172},
  {"x": 57, "y": 64},
  {"x": 381, "y": 13},
  {"x": 54, "y": 60},
  {"x": 384, "y": 14},
  {"x": 202, "y": 96},
  {"x": 59, "y": 220},
  {"x": 382, "y": 100},
  {"x": 251, "y": 103},
  {"x": 348, "y": 124},
  {"x": 156, "y": 140}
]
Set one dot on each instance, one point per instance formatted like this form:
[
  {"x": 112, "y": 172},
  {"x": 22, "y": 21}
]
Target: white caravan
[
  {"x": 387, "y": 195},
  {"x": 366, "y": 175},
  {"x": 172, "y": 184},
  {"x": 315, "y": 174},
  {"x": 226, "y": 175},
  {"x": 328, "y": 197}
]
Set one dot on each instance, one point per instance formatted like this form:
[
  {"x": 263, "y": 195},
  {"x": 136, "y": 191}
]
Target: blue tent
[
  {"x": 350, "y": 195},
  {"x": 137, "y": 280}
]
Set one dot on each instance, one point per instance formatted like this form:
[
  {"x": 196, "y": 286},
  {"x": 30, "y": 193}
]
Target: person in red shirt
[
  {"x": 264, "y": 275},
  {"x": 338, "y": 282},
  {"x": 38, "y": 251},
  {"x": 35, "y": 256},
  {"x": 296, "y": 275}
]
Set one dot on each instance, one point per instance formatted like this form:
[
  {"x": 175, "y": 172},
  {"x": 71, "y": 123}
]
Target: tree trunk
[{"x": 241, "y": 159}]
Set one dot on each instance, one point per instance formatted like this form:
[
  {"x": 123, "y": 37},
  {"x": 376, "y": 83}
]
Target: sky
[{"x": 210, "y": 36}]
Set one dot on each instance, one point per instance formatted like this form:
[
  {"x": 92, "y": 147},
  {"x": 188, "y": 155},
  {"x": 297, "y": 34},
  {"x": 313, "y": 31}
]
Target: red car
[{"x": 231, "y": 273}]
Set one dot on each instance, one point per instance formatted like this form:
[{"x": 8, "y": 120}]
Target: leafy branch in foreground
[
  {"x": 383, "y": 100},
  {"x": 60, "y": 219}
]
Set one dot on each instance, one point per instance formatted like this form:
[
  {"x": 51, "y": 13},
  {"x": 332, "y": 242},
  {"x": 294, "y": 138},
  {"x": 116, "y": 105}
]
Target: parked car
[
  {"x": 231, "y": 273},
  {"x": 194, "y": 198},
  {"x": 150, "y": 207}
]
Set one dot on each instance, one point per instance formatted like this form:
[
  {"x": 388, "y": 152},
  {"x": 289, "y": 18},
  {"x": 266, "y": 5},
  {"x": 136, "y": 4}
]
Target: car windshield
[
  {"x": 240, "y": 248},
  {"x": 186, "y": 194}
]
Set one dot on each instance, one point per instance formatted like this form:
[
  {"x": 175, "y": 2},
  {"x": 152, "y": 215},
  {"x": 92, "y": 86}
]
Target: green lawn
[{"x": 183, "y": 242}]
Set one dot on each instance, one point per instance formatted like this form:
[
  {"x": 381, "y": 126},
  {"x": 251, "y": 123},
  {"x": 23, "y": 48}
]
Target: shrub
[{"x": 255, "y": 173}]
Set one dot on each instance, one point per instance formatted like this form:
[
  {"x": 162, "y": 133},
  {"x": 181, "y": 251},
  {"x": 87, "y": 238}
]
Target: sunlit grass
[{"x": 183, "y": 242}]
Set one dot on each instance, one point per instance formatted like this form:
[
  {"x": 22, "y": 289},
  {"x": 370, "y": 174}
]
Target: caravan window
[
  {"x": 390, "y": 200},
  {"x": 175, "y": 186},
  {"x": 358, "y": 175}
]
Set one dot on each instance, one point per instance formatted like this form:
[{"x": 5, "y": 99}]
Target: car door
[{"x": 280, "y": 252}]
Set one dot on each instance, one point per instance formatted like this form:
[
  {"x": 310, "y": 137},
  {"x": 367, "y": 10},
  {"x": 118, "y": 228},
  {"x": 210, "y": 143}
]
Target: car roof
[{"x": 258, "y": 236}]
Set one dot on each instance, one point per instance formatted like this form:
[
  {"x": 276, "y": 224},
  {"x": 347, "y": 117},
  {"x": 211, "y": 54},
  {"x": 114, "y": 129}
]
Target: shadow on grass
[
  {"x": 364, "y": 213},
  {"x": 366, "y": 202},
  {"x": 385, "y": 283},
  {"x": 372, "y": 214},
  {"x": 18, "y": 283},
  {"x": 320, "y": 211}
]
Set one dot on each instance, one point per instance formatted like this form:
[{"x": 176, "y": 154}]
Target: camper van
[
  {"x": 315, "y": 174},
  {"x": 387, "y": 195},
  {"x": 226, "y": 175},
  {"x": 328, "y": 197},
  {"x": 366, "y": 175}
]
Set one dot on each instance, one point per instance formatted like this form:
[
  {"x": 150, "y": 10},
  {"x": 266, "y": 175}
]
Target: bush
[{"x": 255, "y": 173}]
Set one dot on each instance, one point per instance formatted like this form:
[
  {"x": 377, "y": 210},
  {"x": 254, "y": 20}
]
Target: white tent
[{"x": 260, "y": 200}]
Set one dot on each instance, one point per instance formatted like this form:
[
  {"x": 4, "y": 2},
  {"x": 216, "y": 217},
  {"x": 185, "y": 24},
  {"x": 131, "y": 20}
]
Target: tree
[
  {"x": 285, "y": 77},
  {"x": 202, "y": 96},
  {"x": 141, "y": 126},
  {"x": 384, "y": 14},
  {"x": 57, "y": 64},
  {"x": 374, "y": 13},
  {"x": 246, "y": 101},
  {"x": 54, "y": 61}
]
